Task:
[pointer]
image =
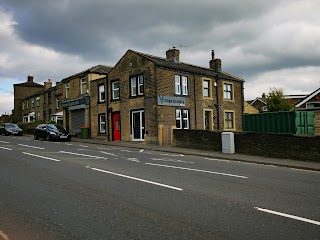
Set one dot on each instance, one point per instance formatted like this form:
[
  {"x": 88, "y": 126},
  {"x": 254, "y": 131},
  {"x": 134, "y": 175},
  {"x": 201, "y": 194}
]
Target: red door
[{"x": 116, "y": 126}]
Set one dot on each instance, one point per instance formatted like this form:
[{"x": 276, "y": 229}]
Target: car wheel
[
  {"x": 36, "y": 137},
  {"x": 48, "y": 138}
]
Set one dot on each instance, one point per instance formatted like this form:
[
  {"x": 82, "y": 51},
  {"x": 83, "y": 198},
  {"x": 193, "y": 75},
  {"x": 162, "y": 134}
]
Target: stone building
[
  {"x": 21, "y": 91},
  {"x": 76, "y": 97},
  {"x": 148, "y": 96}
]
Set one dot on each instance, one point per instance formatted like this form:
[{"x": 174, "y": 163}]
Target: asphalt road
[{"x": 71, "y": 190}]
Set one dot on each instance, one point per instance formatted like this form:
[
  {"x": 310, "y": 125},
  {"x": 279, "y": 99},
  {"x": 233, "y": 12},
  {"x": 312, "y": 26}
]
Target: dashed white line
[
  {"x": 30, "y": 146},
  {"x": 197, "y": 170},
  {"x": 124, "y": 150},
  {"x": 52, "y": 159},
  {"x": 84, "y": 155},
  {"x": 288, "y": 216},
  {"x": 83, "y": 146},
  {"x": 6, "y": 148},
  {"x": 109, "y": 153},
  {"x": 137, "y": 179},
  {"x": 69, "y": 144},
  {"x": 4, "y": 142},
  {"x": 141, "y": 150},
  {"x": 172, "y": 155}
]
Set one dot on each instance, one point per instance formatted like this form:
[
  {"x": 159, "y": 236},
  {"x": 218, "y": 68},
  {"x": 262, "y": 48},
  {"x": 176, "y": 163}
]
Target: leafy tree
[{"x": 276, "y": 101}]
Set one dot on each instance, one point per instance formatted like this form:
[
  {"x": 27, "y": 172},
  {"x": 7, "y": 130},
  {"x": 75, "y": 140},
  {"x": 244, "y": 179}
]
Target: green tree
[{"x": 276, "y": 101}]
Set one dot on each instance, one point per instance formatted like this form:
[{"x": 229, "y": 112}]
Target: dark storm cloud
[{"x": 93, "y": 28}]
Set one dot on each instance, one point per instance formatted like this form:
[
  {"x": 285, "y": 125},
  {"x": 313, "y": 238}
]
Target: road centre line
[
  {"x": 172, "y": 155},
  {"x": 83, "y": 146},
  {"x": 197, "y": 170},
  {"x": 288, "y": 216},
  {"x": 6, "y": 148},
  {"x": 170, "y": 160},
  {"x": 3, "y": 142},
  {"x": 52, "y": 159},
  {"x": 137, "y": 179},
  {"x": 85, "y": 155},
  {"x": 109, "y": 153},
  {"x": 30, "y": 146},
  {"x": 69, "y": 144}
]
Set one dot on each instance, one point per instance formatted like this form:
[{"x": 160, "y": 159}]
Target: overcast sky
[{"x": 274, "y": 43}]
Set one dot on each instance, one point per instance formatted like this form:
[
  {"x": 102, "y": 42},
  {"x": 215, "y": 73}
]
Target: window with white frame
[
  {"x": 32, "y": 103},
  {"x": 101, "y": 93},
  {"x": 102, "y": 123},
  {"x": 57, "y": 103},
  {"x": 182, "y": 118},
  {"x": 228, "y": 91},
  {"x": 115, "y": 88},
  {"x": 137, "y": 85},
  {"x": 83, "y": 85},
  {"x": 229, "y": 120},
  {"x": 206, "y": 88},
  {"x": 67, "y": 88},
  {"x": 181, "y": 85}
]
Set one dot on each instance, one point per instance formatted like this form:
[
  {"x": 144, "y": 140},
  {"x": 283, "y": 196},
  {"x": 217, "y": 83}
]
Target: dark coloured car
[
  {"x": 51, "y": 132},
  {"x": 10, "y": 129}
]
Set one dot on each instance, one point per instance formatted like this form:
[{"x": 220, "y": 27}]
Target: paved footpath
[{"x": 187, "y": 151}]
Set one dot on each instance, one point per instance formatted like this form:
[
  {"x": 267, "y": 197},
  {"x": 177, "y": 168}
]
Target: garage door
[{"x": 78, "y": 119}]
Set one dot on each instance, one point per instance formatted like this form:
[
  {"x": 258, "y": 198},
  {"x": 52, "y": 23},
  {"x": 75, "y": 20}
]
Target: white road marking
[
  {"x": 83, "y": 146},
  {"x": 125, "y": 150},
  {"x": 216, "y": 159},
  {"x": 84, "y": 155},
  {"x": 6, "y": 148},
  {"x": 30, "y": 146},
  {"x": 169, "y": 160},
  {"x": 197, "y": 170},
  {"x": 141, "y": 150},
  {"x": 52, "y": 159},
  {"x": 288, "y": 216},
  {"x": 69, "y": 144},
  {"x": 172, "y": 155},
  {"x": 103, "y": 148},
  {"x": 138, "y": 179},
  {"x": 109, "y": 153},
  {"x": 133, "y": 159},
  {"x": 3, "y": 142}
]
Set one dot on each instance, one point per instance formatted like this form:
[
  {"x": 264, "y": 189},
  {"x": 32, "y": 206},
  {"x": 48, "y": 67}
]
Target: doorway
[
  {"x": 137, "y": 125},
  {"x": 116, "y": 133}
]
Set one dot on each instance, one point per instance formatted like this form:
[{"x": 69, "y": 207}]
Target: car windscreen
[
  {"x": 12, "y": 126},
  {"x": 55, "y": 127}
]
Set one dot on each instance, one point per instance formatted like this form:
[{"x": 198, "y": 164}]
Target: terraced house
[
  {"x": 142, "y": 98},
  {"x": 148, "y": 96}
]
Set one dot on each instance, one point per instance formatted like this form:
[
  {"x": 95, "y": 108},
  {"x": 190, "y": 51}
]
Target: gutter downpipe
[
  {"x": 217, "y": 105},
  {"x": 107, "y": 106},
  {"x": 195, "y": 100}
]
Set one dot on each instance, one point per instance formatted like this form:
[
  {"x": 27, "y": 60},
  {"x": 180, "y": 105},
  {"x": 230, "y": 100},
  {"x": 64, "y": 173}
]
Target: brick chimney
[
  {"x": 30, "y": 78},
  {"x": 173, "y": 54},
  {"x": 215, "y": 64},
  {"x": 48, "y": 84}
]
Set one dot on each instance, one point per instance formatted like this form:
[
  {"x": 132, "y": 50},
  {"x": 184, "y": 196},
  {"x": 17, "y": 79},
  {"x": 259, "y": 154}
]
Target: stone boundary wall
[{"x": 282, "y": 146}]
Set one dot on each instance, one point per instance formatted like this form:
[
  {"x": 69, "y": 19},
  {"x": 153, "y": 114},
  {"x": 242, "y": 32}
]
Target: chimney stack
[
  {"x": 30, "y": 78},
  {"x": 215, "y": 64},
  {"x": 48, "y": 84},
  {"x": 173, "y": 54}
]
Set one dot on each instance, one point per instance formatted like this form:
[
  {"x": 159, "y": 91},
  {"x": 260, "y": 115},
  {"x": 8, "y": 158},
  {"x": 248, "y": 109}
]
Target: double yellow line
[{"x": 5, "y": 237}]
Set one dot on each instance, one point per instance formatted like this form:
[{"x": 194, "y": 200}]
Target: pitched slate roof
[
  {"x": 306, "y": 99},
  {"x": 28, "y": 84},
  {"x": 100, "y": 69},
  {"x": 176, "y": 65}
]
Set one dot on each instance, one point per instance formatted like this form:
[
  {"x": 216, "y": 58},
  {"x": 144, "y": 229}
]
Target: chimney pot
[
  {"x": 30, "y": 78},
  {"x": 173, "y": 54}
]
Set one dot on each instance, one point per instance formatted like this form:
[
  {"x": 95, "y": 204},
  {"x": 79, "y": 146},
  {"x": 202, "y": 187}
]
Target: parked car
[
  {"x": 51, "y": 132},
  {"x": 10, "y": 129}
]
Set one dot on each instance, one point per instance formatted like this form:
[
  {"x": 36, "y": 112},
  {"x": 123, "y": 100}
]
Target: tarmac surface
[{"x": 305, "y": 165}]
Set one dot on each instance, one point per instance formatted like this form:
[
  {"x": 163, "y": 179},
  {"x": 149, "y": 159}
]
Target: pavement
[{"x": 315, "y": 166}]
